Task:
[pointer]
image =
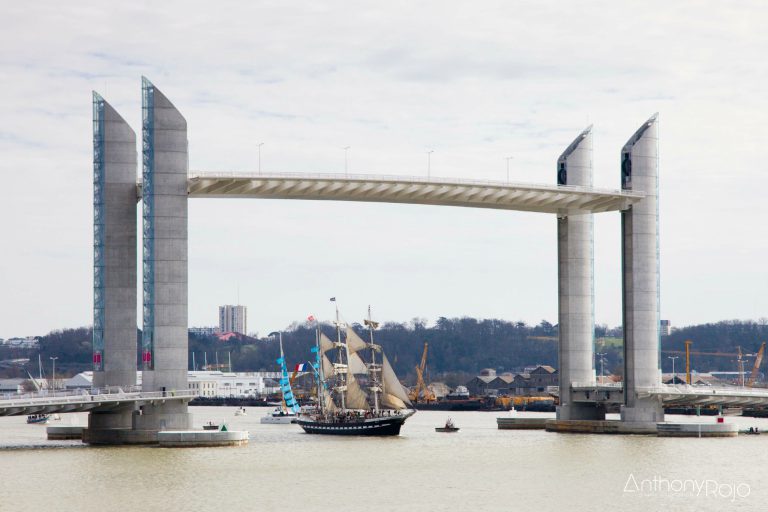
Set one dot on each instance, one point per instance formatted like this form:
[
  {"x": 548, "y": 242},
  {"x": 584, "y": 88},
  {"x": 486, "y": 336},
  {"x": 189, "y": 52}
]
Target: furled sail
[
  {"x": 392, "y": 385},
  {"x": 355, "y": 396},
  {"x": 354, "y": 342}
]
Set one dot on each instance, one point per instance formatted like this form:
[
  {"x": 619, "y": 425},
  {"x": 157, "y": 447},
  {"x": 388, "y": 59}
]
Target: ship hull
[{"x": 386, "y": 426}]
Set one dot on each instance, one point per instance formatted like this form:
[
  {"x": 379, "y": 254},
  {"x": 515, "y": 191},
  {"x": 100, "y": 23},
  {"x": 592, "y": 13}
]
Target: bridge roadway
[
  {"x": 84, "y": 401},
  {"x": 557, "y": 199},
  {"x": 677, "y": 395}
]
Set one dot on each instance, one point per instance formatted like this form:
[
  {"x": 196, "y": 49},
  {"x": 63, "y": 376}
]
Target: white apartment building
[{"x": 233, "y": 319}]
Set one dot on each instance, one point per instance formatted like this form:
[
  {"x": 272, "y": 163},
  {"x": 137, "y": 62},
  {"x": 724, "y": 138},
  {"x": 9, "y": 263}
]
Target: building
[
  {"x": 204, "y": 331},
  {"x": 666, "y": 328},
  {"x": 233, "y": 319},
  {"x": 209, "y": 384}
]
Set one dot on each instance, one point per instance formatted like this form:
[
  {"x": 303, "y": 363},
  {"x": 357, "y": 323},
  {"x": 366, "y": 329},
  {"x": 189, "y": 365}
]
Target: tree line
[{"x": 458, "y": 347}]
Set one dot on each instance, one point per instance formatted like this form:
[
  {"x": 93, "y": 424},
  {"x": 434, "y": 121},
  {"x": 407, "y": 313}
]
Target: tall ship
[{"x": 358, "y": 392}]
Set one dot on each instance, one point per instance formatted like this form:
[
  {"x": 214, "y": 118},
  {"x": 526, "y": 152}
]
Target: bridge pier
[
  {"x": 114, "y": 266},
  {"x": 640, "y": 276},
  {"x": 576, "y": 297},
  {"x": 164, "y": 197},
  {"x": 164, "y": 201}
]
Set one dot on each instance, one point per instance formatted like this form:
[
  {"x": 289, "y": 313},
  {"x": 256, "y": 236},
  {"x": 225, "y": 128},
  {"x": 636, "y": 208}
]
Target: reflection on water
[{"x": 479, "y": 468}]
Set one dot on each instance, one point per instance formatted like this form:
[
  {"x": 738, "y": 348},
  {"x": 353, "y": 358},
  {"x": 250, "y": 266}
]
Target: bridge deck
[
  {"x": 682, "y": 395},
  {"x": 83, "y": 402},
  {"x": 556, "y": 199}
]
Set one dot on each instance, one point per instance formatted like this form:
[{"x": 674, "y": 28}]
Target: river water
[{"x": 479, "y": 468}]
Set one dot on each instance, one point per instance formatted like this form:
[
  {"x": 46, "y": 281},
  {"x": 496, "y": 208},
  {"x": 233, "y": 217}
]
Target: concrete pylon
[
  {"x": 114, "y": 263},
  {"x": 576, "y": 297},
  {"x": 164, "y": 196},
  {"x": 640, "y": 275}
]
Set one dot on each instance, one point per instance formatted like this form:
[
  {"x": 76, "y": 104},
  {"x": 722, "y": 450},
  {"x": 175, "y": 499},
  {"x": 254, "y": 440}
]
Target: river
[{"x": 479, "y": 468}]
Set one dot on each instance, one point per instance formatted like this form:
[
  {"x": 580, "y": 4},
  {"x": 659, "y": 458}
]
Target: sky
[{"x": 474, "y": 82}]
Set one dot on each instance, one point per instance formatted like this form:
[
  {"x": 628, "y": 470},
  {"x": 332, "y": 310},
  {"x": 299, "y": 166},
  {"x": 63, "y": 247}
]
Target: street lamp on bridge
[
  {"x": 674, "y": 378},
  {"x": 53, "y": 379}
]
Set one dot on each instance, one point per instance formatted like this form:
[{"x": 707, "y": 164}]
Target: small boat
[
  {"x": 450, "y": 426},
  {"x": 279, "y": 416},
  {"x": 240, "y": 411},
  {"x": 751, "y": 431},
  {"x": 210, "y": 426},
  {"x": 38, "y": 419}
]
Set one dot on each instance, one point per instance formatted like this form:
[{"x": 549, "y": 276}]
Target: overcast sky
[{"x": 475, "y": 82}]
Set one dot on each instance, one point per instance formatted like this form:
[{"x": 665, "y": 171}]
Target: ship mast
[
  {"x": 320, "y": 374},
  {"x": 373, "y": 369},
  {"x": 343, "y": 380}
]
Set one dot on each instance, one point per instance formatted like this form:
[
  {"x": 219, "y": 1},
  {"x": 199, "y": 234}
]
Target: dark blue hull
[{"x": 385, "y": 426}]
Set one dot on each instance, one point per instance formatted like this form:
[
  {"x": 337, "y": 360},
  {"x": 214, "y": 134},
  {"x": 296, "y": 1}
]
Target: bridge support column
[
  {"x": 576, "y": 310},
  {"x": 164, "y": 341},
  {"x": 114, "y": 255},
  {"x": 640, "y": 276}
]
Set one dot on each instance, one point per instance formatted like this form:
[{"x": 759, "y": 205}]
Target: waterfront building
[
  {"x": 233, "y": 319},
  {"x": 209, "y": 384},
  {"x": 204, "y": 331},
  {"x": 666, "y": 327}
]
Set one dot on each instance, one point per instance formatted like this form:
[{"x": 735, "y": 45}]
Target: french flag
[{"x": 301, "y": 367}]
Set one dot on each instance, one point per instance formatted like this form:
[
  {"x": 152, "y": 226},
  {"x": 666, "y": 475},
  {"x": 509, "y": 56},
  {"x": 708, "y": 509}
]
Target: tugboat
[
  {"x": 344, "y": 406},
  {"x": 450, "y": 426}
]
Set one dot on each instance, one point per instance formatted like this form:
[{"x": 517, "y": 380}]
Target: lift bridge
[{"x": 167, "y": 184}]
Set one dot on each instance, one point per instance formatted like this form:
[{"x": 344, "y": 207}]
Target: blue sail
[{"x": 285, "y": 387}]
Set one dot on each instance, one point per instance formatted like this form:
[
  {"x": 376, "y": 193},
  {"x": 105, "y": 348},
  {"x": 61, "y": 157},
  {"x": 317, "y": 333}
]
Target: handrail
[
  {"x": 686, "y": 389},
  {"x": 417, "y": 179},
  {"x": 98, "y": 397}
]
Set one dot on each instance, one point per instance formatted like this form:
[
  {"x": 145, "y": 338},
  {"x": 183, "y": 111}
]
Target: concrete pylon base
[
  {"x": 643, "y": 413},
  {"x": 119, "y": 436},
  {"x": 600, "y": 427},
  {"x": 580, "y": 412},
  {"x": 167, "y": 416}
]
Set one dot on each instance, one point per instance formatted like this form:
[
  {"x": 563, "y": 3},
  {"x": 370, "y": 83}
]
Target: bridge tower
[
  {"x": 576, "y": 297},
  {"x": 114, "y": 264},
  {"x": 164, "y": 200},
  {"x": 640, "y": 275}
]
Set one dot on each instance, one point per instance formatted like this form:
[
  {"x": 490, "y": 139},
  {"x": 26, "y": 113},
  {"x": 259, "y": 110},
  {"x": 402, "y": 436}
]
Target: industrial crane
[
  {"x": 739, "y": 359},
  {"x": 756, "y": 367},
  {"x": 421, "y": 386}
]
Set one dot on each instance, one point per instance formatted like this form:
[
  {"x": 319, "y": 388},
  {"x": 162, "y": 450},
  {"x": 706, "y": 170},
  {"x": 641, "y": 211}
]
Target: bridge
[
  {"x": 166, "y": 185},
  {"x": 557, "y": 199},
  {"x": 682, "y": 395},
  {"x": 95, "y": 400}
]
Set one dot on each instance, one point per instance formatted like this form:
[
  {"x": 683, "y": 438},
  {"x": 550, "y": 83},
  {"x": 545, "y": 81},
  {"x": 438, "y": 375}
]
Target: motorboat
[
  {"x": 450, "y": 426},
  {"x": 240, "y": 411},
  {"x": 38, "y": 419},
  {"x": 279, "y": 416}
]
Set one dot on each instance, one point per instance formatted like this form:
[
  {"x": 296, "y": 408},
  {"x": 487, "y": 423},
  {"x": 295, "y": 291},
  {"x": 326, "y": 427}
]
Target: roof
[{"x": 544, "y": 368}]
